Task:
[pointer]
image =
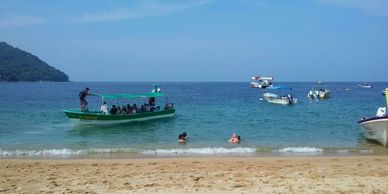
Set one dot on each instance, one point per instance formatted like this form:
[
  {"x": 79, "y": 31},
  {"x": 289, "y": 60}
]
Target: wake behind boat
[
  {"x": 376, "y": 128},
  {"x": 126, "y": 114}
]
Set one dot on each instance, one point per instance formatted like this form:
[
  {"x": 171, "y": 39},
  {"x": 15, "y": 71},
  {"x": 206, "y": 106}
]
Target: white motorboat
[
  {"x": 261, "y": 82},
  {"x": 364, "y": 85},
  {"x": 287, "y": 99},
  {"x": 277, "y": 99},
  {"x": 318, "y": 92},
  {"x": 376, "y": 128}
]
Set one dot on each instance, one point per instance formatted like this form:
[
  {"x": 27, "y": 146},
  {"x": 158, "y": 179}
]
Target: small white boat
[
  {"x": 364, "y": 85},
  {"x": 286, "y": 99},
  {"x": 277, "y": 99},
  {"x": 376, "y": 128},
  {"x": 261, "y": 82},
  {"x": 318, "y": 92}
]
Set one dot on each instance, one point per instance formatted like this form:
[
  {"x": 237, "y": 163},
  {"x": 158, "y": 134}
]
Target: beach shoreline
[{"x": 204, "y": 174}]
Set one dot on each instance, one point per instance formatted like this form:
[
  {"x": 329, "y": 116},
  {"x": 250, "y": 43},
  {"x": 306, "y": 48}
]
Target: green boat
[{"x": 98, "y": 117}]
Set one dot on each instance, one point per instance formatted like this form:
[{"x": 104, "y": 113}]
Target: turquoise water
[{"x": 32, "y": 123}]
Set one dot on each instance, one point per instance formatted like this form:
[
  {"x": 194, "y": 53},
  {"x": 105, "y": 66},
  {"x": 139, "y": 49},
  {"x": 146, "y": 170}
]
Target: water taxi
[{"x": 152, "y": 111}]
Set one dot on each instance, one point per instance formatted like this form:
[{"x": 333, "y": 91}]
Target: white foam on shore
[
  {"x": 202, "y": 151},
  {"x": 61, "y": 152},
  {"x": 300, "y": 150},
  {"x": 48, "y": 152}
]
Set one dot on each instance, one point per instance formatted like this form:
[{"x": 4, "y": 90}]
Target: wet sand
[{"x": 353, "y": 174}]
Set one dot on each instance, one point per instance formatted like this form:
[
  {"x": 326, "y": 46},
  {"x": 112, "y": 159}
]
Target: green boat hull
[{"x": 98, "y": 118}]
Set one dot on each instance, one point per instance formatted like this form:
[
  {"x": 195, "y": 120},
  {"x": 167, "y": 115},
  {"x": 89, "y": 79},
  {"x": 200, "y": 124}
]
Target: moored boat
[
  {"x": 376, "y": 128},
  {"x": 152, "y": 111},
  {"x": 286, "y": 99},
  {"x": 364, "y": 85},
  {"x": 261, "y": 82},
  {"x": 318, "y": 92}
]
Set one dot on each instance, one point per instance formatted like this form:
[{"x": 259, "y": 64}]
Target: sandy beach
[{"x": 359, "y": 174}]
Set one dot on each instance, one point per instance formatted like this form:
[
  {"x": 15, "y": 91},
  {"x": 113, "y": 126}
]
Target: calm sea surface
[{"x": 32, "y": 123}]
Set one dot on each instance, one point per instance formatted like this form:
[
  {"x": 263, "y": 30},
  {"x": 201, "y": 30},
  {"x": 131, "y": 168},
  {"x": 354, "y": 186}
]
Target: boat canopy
[{"x": 130, "y": 96}]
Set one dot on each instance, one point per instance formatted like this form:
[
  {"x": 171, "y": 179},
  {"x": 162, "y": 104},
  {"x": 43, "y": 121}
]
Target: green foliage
[{"x": 18, "y": 65}]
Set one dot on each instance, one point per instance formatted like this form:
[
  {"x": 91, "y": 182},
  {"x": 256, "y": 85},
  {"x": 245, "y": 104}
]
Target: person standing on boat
[{"x": 82, "y": 98}]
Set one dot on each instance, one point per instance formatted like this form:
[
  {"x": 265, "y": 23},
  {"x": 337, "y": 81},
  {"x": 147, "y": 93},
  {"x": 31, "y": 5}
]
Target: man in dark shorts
[{"x": 82, "y": 98}]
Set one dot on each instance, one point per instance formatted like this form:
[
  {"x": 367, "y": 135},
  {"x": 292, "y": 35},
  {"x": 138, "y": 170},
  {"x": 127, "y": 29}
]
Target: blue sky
[{"x": 203, "y": 40}]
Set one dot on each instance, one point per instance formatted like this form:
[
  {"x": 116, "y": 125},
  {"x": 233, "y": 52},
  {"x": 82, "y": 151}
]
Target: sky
[{"x": 203, "y": 40}]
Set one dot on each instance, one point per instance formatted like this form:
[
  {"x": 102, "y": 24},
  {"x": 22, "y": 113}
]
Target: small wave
[
  {"x": 366, "y": 151},
  {"x": 204, "y": 151},
  {"x": 62, "y": 152},
  {"x": 48, "y": 152},
  {"x": 300, "y": 150},
  {"x": 109, "y": 150}
]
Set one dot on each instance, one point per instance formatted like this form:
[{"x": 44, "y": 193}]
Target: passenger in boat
[
  {"x": 129, "y": 108},
  {"x": 104, "y": 108},
  {"x": 82, "y": 98},
  {"x": 146, "y": 107},
  {"x": 124, "y": 110},
  {"x": 113, "y": 110},
  {"x": 118, "y": 109},
  {"x": 152, "y": 109},
  {"x": 182, "y": 137},
  {"x": 142, "y": 108},
  {"x": 135, "y": 108},
  {"x": 151, "y": 101}
]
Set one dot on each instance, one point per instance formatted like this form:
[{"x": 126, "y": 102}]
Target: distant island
[{"x": 18, "y": 65}]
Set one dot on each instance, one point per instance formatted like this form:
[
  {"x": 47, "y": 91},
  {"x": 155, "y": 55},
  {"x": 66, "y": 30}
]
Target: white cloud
[
  {"x": 372, "y": 7},
  {"x": 19, "y": 20},
  {"x": 148, "y": 9}
]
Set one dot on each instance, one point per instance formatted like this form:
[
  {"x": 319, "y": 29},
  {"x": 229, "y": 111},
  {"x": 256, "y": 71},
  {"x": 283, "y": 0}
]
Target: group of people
[
  {"x": 234, "y": 139},
  {"x": 128, "y": 109}
]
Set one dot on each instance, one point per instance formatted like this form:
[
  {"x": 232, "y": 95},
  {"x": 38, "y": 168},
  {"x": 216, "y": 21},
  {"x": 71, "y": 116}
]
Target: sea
[{"x": 33, "y": 125}]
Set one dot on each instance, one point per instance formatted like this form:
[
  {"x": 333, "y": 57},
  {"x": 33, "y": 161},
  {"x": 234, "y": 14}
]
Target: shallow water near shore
[{"x": 33, "y": 123}]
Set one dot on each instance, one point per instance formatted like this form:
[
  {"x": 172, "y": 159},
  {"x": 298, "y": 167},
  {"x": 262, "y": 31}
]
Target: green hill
[{"x": 19, "y": 65}]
